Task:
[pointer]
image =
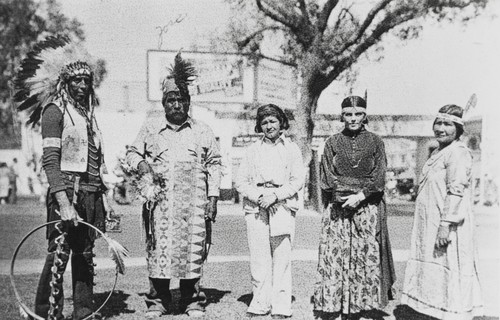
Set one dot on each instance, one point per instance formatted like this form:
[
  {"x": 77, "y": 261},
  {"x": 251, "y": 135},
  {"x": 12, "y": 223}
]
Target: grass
[{"x": 227, "y": 285}]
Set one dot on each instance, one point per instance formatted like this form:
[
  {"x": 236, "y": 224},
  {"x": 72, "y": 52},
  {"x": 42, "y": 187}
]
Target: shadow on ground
[
  {"x": 116, "y": 305},
  {"x": 404, "y": 312},
  {"x": 214, "y": 296},
  {"x": 247, "y": 298}
]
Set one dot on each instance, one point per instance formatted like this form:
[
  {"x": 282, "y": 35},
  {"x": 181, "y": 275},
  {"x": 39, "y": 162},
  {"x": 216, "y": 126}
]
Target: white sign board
[
  {"x": 225, "y": 78},
  {"x": 276, "y": 83}
]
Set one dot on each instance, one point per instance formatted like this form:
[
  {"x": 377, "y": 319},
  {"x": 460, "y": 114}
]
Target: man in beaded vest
[{"x": 60, "y": 91}]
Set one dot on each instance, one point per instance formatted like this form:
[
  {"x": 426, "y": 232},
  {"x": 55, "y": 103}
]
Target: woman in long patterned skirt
[{"x": 355, "y": 269}]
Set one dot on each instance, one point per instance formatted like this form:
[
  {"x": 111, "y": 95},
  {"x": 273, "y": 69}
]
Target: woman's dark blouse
[{"x": 353, "y": 162}]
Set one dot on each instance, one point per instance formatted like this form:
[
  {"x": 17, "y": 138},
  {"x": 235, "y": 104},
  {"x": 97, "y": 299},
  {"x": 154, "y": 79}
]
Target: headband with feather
[
  {"x": 470, "y": 104},
  {"x": 182, "y": 74},
  {"x": 45, "y": 72}
]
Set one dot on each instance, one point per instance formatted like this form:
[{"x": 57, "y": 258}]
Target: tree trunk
[
  {"x": 304, "y": 124},
  {"x": 313, "y": 186}
]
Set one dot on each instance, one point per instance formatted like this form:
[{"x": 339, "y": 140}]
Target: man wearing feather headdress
[
  {"x": 55, "y": 83},
  {"x": 182, "y": 155}
]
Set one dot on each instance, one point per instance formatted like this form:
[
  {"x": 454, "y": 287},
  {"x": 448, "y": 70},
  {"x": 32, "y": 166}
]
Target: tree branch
[
  {"x": 285, "y": 62},
  {"x": 286, "y": 20},
  {"x": 303, "y": 9},
  {"x": 364, "y": 26},
  {"x": 325, "y": 15},
  {"x": 298, "y": 23},
  {"x": 392, "y": 20},
  {"x": 243, "y": 43},
  {"x": 344, "y": 12}
]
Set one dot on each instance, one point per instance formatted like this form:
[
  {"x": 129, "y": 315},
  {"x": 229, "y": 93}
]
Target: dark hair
[
  {"x": 271, "y": 110},
  {"x": 453, "y": 110},
  {"x": 353, "y": 101}
]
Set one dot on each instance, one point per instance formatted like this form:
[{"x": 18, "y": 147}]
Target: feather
[
  {"x": 471, "y": 103},
  {"x": 117, "y": 252},
  {"x": 33, "y": 62},
  {"x": 28, "y": 103},
  {"x": 182, "y": 71},
  {"x": 38, "y": 78},
  {"x": 36, "y": 114},
  {"x": 23, "y": 313}
]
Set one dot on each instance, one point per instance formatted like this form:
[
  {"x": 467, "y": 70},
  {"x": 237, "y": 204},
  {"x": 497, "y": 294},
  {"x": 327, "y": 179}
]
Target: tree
[
  {"x": 22, "y": 24},
  {"x": 324, "y": 39}
]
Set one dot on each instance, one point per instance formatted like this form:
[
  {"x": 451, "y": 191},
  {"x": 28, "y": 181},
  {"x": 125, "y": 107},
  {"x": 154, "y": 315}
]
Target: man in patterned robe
[{"x": 183, "y": 154}]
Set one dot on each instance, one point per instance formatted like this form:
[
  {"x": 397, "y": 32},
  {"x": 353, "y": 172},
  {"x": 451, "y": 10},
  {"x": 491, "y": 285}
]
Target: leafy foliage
[
  {"x": 25, "y": 22},
  {"x": 325, "y": 39}
]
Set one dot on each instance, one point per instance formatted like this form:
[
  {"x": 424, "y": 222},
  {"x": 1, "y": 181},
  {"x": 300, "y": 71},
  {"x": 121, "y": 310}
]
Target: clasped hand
[
  {"x": 265, "y": 201},
  {"x": 353, "y": 201}
]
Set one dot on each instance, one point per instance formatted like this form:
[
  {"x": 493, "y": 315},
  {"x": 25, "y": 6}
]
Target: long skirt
[{"x": 349, "y": 277}]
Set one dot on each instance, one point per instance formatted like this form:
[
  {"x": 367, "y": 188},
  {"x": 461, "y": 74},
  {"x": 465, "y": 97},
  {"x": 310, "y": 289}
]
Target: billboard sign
[
  {"x": 276, "y": 83},
  {"x": 227, "y": 78}
]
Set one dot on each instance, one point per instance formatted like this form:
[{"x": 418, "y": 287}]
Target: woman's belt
[{"x": 268, "y": 185}]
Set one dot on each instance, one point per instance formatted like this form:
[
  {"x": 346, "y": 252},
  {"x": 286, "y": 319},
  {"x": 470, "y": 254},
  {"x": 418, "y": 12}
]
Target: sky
[{"x": 445, "y": 65}]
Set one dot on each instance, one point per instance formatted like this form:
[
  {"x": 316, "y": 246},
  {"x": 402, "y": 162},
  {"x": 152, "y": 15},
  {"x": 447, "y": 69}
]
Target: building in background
[{"x": 226, "y": 94}]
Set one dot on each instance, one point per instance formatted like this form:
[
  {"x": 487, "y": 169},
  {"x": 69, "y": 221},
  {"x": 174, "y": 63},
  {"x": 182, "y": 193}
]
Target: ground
[{"x": 226, "y": 279}]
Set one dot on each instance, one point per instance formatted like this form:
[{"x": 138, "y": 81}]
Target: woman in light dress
[{"x": 441, "y": 278}]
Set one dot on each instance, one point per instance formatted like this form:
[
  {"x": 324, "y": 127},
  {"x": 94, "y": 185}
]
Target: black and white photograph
[{"x": 241, "y": 159}]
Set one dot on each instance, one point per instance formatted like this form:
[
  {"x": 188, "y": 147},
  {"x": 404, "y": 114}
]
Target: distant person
[
  {"x": 4, "y": 182},
  {"x": 441, "y": 278},
  {"x": 355, "y": 270},
  {"x": 390, "y": 185},
  {"x": 183, "y": 158},
  {"x": 269, "y": 178},
  {"x": 122, "y": 187},
  {"x": 14, "y": 176},
  {"x": 31, "y": 166}
]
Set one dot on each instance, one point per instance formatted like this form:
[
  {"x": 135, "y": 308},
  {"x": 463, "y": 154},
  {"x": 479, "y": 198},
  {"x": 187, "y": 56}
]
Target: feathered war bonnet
[
  {"x": 45, "y": 73},
  {"x": 181, "y": 75}
]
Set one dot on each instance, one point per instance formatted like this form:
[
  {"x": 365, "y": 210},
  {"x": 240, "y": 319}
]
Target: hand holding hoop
[{"x": 114, "y": 247}]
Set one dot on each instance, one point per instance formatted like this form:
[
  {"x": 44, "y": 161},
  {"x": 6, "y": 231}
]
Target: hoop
[{"x": 16, "y": 293}]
